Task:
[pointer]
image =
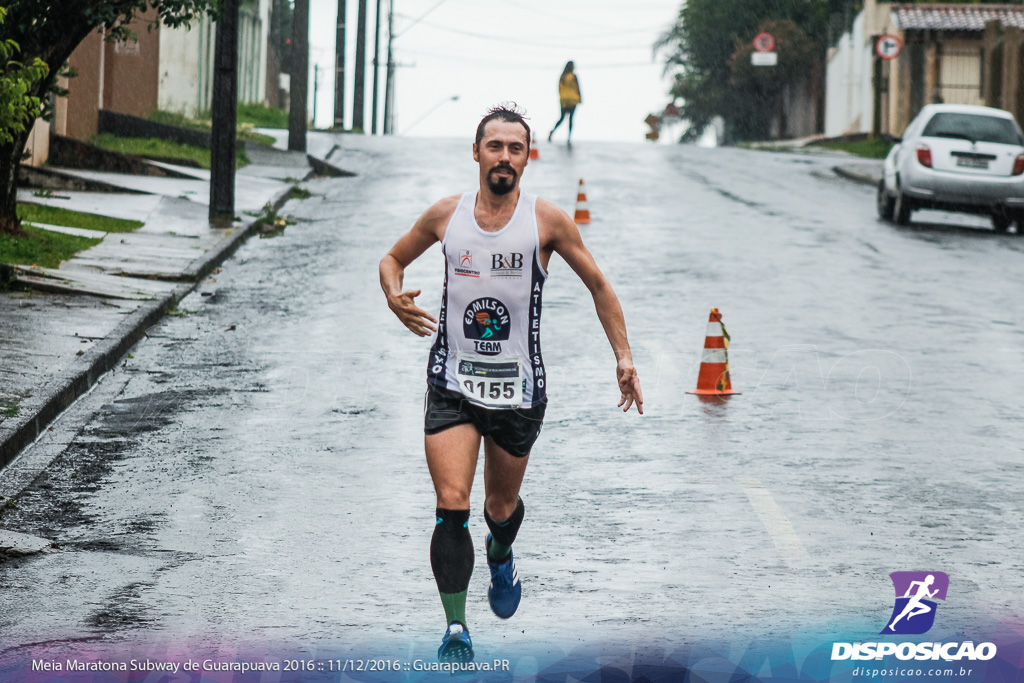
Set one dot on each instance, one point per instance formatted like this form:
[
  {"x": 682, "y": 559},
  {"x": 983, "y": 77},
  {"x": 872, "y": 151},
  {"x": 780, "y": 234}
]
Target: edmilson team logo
[
  {"x": 486, "y": 321},
  {"x": 916, "y": 593}
]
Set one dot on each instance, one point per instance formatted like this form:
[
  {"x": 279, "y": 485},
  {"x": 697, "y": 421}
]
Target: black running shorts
[{"x": 513, "y": 429}]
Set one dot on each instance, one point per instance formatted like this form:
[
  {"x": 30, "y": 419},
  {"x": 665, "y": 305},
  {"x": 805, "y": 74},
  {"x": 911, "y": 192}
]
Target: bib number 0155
[{"x": 492, "y": 384}]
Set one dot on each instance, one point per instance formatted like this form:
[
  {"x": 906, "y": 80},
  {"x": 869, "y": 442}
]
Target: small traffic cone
[
  {"x": 582, "y": 208},
  {"x": 714, "y": 379},
  {"x": 534, "y": 150}
]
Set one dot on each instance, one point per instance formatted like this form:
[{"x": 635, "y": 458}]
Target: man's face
[{"x": 502, "y": 155}]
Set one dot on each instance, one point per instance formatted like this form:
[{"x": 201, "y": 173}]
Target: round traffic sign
[
  {"x": 888, "y": 46},
  {"x": 764, "y": 42}
]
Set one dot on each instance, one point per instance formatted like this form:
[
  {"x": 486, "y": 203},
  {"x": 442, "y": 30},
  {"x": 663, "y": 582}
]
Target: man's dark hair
[{"x": 506, "y": 111}]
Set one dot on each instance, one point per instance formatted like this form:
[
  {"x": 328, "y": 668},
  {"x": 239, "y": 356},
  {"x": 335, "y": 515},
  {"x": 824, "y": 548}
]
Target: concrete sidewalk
[
  {"x": 64, "y": 328},
  {"x": 858, "y": 169},
  {"x": 865, "y": 172}
]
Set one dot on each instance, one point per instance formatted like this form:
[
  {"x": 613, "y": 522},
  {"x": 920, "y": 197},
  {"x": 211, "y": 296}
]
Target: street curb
[
  {"x": 18, "y": 433},
  {"x": 856, "y": 177}
]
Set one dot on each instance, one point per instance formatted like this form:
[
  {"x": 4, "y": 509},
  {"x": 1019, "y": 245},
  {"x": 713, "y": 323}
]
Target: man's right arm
[{"x": 427, "y": 230}]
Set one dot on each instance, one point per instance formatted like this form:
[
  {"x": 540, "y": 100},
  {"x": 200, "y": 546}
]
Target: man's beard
[{"x": 502, "y": 186}]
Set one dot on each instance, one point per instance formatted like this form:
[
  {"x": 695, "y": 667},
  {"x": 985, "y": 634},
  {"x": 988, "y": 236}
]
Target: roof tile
[{"x": 955, "y": 17}]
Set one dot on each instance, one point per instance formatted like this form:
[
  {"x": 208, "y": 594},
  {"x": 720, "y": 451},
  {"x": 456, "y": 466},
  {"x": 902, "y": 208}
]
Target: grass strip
[
  {"x": 262, "y": 116},
  {"x": 53, "y": 215},
  {"x": 171, "y": 118},
  {"x": 166, "y": 149},
  {"x": 871, "y": 148},
  {"x": 42, "y": 247}
]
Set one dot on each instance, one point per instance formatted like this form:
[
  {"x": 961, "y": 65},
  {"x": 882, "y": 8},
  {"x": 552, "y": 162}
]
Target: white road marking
[{"x": 780, "y": 529}]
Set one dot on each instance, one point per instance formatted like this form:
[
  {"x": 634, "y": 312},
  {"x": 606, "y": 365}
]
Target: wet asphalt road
[{"x": 253, "y": 473}]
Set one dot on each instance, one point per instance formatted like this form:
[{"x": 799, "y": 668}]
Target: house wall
[
  {"x": 187, "y": 60},
  {"x": 849, "y": 99},
  {"x": 950, "y": 70},
  {"x": 78, "y": 112},
  {"x": 849, "y": 83},
  {"x": 37, "y": 148},
  {"x": 117, "y": 76},
  {"x": 186, "y": 68},
  {"x": 132, "y": 68},
  {"x": 802, "y": 107}
]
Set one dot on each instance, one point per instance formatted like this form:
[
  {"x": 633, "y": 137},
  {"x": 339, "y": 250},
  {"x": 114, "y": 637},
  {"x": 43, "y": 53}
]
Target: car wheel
[
  {"x": 1001, "y": 221},
  {"x": 885, "y": 202},
  {"x": 902, "y": 206}
]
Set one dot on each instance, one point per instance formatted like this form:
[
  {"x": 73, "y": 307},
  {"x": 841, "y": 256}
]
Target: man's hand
[
  {"x": 629, "y": 385},
  {"x": 411, "y": 315}
]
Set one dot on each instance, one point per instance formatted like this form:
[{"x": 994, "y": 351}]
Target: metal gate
[{"x": 961, "y": 76}]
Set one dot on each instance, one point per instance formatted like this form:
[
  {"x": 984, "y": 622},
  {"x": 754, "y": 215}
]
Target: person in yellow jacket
[{"x": 568, "y": 96}]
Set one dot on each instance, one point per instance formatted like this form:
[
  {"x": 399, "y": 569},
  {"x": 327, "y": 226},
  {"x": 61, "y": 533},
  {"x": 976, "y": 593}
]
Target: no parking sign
[{"x": 764, "y": 42}]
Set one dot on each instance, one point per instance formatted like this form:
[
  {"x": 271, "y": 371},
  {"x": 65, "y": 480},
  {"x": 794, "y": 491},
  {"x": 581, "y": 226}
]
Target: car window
[{"x": 974, "y": 127}]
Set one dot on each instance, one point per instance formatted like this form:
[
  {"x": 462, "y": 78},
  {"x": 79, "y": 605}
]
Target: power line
[
  {"x": 418, "y": 20},
  {"x": 560, "y": 45},
  {"x": 549, "y": 66},
  {"x": 573, "y": 21}
]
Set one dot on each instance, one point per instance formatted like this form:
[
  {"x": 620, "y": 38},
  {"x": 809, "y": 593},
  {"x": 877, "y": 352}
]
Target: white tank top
[{"x": 490, "y": 308}]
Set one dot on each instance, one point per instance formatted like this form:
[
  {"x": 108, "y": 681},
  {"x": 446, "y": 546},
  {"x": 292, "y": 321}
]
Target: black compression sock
[
  {"x": 451, "y": 558},
  {"x": 503, "y": 534}
]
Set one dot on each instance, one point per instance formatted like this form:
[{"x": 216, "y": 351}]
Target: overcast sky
[{"x": 485, "y": 52}]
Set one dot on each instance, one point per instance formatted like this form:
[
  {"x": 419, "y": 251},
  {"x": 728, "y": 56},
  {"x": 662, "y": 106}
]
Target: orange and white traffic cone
[
  {"x": 534, "y": 150},
  {"x": 714, "y": 379},
  {"x": 582, "y": 208}
]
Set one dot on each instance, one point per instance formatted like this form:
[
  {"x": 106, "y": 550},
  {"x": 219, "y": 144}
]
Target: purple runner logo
[{"x": 916, "y": 592}]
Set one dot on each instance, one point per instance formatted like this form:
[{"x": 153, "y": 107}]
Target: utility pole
[
  {"x": 273, "y": 84},
  {"x": 339, "y": 70},
  {"x": 390, "y": 75},
  {"x": 225, "y": 117},
  {"x": 376, "y": 67},
  {"x": 359, "y": 100},
  {"x": 298, "y": 114},
  {"x": 316, "y": 88}
]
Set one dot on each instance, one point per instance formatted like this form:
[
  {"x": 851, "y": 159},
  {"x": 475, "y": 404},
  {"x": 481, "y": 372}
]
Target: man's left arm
[{"x": 565, "y": 240}]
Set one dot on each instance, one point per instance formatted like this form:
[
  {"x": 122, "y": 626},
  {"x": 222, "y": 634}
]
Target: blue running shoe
[
  {"x": 505, "y": 590},
  {"x": 456, "y": 645}
]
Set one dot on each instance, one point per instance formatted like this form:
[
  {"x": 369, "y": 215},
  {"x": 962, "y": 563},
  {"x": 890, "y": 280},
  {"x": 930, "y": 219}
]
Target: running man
[
  {"x": 914, "y": 606},
  {"x": 485, "y": 374}
]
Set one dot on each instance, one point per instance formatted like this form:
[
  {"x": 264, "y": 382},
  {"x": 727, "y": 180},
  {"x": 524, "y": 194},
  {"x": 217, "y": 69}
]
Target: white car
[{"x": 956, "y": 157}]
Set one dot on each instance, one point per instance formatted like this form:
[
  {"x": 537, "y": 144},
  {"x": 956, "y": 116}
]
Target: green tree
[
  {"x": 44, "y": 34},
  {"x": 17, "y": 108},
  {"x": 798, "y": 57},
  {"x": 704, "y": 49}
]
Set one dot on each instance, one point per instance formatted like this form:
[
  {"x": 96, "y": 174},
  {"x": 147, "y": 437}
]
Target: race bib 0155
[{"x": 491, "y": 383}]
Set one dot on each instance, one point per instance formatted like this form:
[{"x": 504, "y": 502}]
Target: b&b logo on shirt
[
  {"x": 487, "y": 322},
  {"x": 507, "y": 266}
]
